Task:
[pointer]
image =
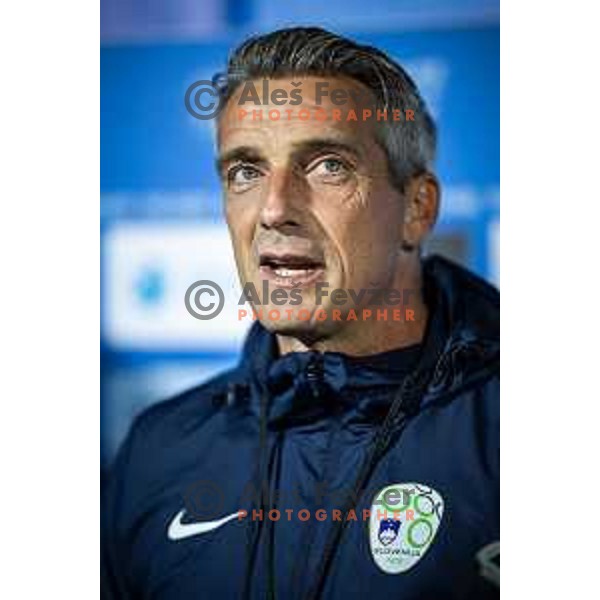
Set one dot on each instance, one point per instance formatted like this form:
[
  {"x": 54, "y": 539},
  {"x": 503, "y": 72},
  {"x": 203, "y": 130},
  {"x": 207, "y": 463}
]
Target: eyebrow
[
  {"x": 300, "y": 150},
  {"x": 322, "y": 145},
  {"x": 240, "y": 154}
]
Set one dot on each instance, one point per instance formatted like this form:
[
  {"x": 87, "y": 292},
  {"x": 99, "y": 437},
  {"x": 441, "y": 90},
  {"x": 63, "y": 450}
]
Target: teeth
[{"x": 290, "y": 272}]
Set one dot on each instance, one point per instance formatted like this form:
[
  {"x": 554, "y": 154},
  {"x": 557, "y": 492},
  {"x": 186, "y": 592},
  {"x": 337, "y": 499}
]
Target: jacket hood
[{"x": 465, "y": 325}]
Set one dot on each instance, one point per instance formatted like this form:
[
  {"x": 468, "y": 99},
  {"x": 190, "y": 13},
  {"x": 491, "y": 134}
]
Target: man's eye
[
  {"x": 242, "y": 175},
  {"x": 330, "y": 169}
]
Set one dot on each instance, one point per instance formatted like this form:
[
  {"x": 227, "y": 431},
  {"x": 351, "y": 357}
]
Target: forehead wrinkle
[{"x": 263, "y": 141}]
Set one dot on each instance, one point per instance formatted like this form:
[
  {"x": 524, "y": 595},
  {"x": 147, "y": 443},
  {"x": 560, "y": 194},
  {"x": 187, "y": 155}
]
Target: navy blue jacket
[{"x": 310, "y": 431}]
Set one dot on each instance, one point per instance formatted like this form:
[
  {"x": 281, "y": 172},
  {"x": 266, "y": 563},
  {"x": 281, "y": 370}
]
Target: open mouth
[{"x": 289, "y": 270}]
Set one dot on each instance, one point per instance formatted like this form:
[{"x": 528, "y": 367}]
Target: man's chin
[{"x": 304, "y": 329}]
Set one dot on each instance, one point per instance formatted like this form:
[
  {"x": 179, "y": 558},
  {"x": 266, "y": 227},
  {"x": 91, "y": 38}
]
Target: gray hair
[{"x": 311, "y": 51}]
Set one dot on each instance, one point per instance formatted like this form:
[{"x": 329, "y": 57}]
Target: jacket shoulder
[{"x": 189, "y": 409}]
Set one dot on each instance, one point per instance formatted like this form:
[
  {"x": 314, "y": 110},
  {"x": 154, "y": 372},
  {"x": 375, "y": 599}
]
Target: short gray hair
[{"x": 410, "y": 146}]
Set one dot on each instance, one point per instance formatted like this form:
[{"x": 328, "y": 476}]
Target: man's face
[{"x": 308, "y": 201}]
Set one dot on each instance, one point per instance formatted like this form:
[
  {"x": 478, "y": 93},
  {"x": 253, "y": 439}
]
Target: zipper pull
[{"x": 314, "y": 375}]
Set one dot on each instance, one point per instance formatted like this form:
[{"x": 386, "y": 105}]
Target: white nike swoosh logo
[{"x": 179, "y": 531}]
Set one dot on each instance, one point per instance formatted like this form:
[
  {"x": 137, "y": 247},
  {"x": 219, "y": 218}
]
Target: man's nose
[{"x": 280, "y": 206}]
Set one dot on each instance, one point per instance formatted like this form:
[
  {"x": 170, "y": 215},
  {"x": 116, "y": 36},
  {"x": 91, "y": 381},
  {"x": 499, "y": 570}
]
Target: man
[{"x": 354, "y": 450}]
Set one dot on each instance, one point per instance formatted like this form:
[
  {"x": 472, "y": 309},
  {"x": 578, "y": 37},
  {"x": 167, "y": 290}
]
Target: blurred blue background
[{"x": 162, "y": 227}]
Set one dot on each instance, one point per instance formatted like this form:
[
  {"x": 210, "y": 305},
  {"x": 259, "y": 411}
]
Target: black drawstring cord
[
  {"x": 252, "y": 545},
  {"x": 405, "y": 404},
  {"x": 270, "y": 532}
]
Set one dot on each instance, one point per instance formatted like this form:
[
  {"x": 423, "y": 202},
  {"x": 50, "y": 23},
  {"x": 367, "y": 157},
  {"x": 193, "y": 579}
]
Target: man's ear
[{"x": 422, "y": 200}]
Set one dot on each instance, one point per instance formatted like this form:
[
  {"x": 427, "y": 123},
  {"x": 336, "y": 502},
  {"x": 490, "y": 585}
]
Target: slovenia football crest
[{"x": 403, "y": 523}]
